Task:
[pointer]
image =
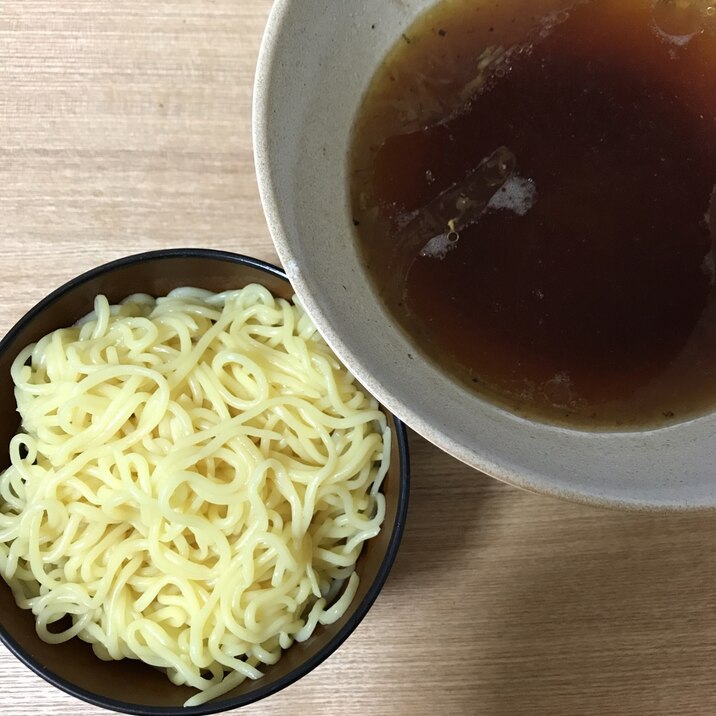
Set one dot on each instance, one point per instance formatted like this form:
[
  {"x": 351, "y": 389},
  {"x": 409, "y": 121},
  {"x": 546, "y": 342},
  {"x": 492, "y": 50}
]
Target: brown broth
[{"x": 592, "y": 301}]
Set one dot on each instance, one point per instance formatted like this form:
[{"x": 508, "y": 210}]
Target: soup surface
[{"x": 532, "y": 185}]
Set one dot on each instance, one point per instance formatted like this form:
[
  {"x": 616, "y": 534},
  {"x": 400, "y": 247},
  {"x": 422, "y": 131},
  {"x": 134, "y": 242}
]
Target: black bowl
[{"x": 129, "y": 686}]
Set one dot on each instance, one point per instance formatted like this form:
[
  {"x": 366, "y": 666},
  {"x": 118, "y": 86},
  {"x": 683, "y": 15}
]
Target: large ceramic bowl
[
  {"x": 130, "y": 686},
  {"x": 316, "y": 62}
]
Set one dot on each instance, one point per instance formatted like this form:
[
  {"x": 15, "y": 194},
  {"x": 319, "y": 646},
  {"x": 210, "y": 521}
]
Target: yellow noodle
[{"x": 192, "y": 485}]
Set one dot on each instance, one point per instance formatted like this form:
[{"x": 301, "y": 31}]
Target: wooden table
[{"x": 125, "y": 126}]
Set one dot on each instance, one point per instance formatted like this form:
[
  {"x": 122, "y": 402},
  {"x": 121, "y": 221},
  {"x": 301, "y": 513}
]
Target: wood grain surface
[{"x": 125, "y": 126}]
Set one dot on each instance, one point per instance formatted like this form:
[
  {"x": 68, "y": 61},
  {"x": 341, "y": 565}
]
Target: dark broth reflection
[{"x": 583, "y": 292}]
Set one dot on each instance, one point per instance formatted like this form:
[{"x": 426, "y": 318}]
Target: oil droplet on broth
[{"x": 678, "y": 21}]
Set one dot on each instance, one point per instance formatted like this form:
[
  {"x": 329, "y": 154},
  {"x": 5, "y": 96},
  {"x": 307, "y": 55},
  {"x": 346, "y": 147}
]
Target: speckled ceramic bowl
[{"x": 316, "y": 62}]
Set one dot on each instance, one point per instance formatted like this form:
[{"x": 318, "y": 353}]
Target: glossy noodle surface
[{"x": 192, "y": 484}]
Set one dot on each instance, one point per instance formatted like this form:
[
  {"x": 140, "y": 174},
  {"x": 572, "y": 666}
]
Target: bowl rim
[
  {"x": 362, "y": 608},
  {"x": 480, "y": 457}
]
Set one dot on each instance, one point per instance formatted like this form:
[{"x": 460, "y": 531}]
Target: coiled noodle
[{"x": 192, "y": 484}]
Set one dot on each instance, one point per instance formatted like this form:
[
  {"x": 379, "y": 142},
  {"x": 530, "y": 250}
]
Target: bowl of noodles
[{"x": 196, "y": 497}]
